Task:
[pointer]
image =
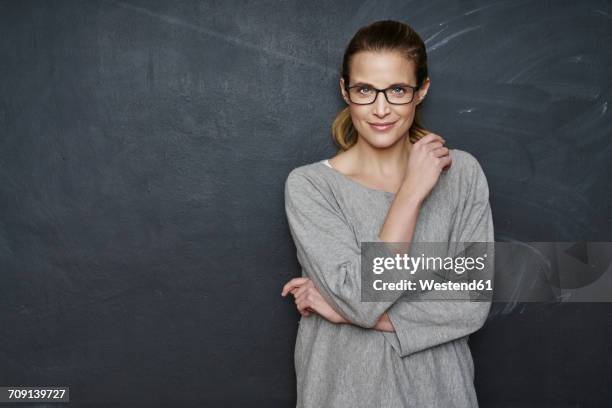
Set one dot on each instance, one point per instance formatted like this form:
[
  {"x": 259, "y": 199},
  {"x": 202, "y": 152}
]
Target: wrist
[{"x": 410, "y": 196}]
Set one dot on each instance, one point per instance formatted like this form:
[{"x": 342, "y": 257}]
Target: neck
[{"x": 389, "y": 162}]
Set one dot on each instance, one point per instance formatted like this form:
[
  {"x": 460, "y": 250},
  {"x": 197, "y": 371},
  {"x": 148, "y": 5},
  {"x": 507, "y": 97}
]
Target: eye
[
  {"x": 364, "y": 89},
  {"x": 398, "y": 90}
]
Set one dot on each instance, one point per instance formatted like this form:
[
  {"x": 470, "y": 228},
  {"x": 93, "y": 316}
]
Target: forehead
[{"x": 381, "y": 68}]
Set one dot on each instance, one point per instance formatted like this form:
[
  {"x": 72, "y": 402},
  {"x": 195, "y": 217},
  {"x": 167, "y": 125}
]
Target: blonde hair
[{"x": 386, "y": 35}]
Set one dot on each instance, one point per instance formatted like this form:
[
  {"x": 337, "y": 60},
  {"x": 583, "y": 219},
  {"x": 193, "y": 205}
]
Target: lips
[{"x": 381, "y": 125}]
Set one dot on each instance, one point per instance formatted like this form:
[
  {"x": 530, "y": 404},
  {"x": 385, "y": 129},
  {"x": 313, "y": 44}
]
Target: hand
[
  {"x": 428, "y": 158},
  {"x": 308, "y": 299}
]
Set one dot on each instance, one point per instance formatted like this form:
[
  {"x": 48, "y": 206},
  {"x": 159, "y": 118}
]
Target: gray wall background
[{"x": 143, "y": 151}]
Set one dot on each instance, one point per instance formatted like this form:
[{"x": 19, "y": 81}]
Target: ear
[
  {"x": 420, "y": 95},
  {"x": 343, "y": 91}
]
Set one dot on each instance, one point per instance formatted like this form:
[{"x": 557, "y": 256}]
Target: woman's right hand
[
  {"x": 428, "y": 158},
  {"x": 308, "y": 299}
]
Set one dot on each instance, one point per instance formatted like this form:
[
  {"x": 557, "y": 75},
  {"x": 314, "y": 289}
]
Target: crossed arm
[{"x": 309, "y": 300}]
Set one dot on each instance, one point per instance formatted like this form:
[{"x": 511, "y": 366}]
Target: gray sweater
[{"x": 426, "y": 362}]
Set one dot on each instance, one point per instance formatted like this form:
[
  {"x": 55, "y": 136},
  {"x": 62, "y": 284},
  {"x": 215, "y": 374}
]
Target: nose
[{"x": 381, "y": 106}]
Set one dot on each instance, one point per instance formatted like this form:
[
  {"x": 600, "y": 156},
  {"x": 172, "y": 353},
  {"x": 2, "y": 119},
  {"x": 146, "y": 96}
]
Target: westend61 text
[{"x": 404, "y": 284}]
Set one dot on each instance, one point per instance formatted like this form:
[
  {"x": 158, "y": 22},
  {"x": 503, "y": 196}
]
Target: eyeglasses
[{"x": 395, "y": 94}]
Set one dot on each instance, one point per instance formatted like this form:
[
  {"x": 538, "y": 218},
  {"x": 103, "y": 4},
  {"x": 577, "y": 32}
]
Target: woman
[{"x": 392, "y": 182}]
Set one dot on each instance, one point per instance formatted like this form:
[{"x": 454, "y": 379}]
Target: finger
[
  {"x": 304, "y": 299},
  {"x": 446, "y": 163},
  {"x": 298, "y": 292},
  {"x": 301, "y": 305},
  {"x": 306, "y": 293},
  {"x": 306, "y": 312},
  {"x": 440, "y": 151},
  {"x": 295, "y": 282},
  {"x": 432, "y": 146},
  {"x": 301, "y": 296},
  {"x": 430, "y": 137}
]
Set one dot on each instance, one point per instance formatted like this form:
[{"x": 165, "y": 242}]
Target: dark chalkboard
[{"x": 143, "y": 150}]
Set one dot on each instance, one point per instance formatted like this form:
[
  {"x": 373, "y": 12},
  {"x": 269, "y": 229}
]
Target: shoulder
[
  {"x": 308, "y": 179},
  {"x": 305, "y": 170},
  {"x": 465, "y": 160},
  {"x": 468, "y": 170},
  {"x": 465, "y": 163},
  {"x": 310, "y": 173}
]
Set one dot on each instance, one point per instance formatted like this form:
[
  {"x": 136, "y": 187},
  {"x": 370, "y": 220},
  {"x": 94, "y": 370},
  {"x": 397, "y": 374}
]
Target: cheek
[
  {"x": 409, "y": 118},
  {"x": 359, "y": 115},
  {"x": 408, "y": 114}
]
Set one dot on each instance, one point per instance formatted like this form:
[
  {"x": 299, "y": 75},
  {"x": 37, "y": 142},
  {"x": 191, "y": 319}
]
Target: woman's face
[{"x": 381, "y": 70}]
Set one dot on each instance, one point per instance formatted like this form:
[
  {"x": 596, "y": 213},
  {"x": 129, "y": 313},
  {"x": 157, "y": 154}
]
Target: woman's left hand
[{"x": 308, "y": 299}]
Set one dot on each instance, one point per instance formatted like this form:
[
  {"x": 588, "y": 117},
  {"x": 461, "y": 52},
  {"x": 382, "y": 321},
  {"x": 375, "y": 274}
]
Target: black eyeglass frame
[{"x": 384, "y": 91}]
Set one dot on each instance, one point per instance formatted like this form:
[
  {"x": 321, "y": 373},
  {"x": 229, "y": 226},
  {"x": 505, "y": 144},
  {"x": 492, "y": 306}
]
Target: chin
[{"x": 382, "y": 141}]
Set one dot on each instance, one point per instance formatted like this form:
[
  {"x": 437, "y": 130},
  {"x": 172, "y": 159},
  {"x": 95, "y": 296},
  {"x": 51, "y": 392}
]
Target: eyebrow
[{"x": 395, "y": 84}]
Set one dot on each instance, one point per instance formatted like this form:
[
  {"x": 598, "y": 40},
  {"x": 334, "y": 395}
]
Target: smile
[{"x": 382, "y": 127}]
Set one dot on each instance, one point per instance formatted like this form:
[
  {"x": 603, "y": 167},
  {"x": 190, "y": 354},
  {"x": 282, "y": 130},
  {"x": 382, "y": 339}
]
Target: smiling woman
[
  {"x": 389, "y": 173},
  {"x": 371, "y": 57}
]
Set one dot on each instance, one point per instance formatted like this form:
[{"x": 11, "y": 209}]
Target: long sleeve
[
  {"x": 423, "y": 324},
  {"x": 328, "y": 250}
]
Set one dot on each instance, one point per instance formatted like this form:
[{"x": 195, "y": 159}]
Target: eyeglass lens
[{"x": 366, "y": 95}]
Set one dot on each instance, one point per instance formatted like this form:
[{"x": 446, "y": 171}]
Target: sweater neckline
[{"x": 325, "y": 163}]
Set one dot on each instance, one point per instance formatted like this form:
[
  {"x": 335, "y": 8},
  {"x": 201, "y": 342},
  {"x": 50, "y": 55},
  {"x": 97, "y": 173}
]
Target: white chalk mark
[
  {"x": 526, "y": 68},
  {"x": 427, "y": 41},
  {"x": 467, "y": 13},
  {"x": 227, "y": 38},
  {"x": 452, "y": 36},
  {"x": 511, "y": 3},
  {"x": 576, "y": 58}
]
